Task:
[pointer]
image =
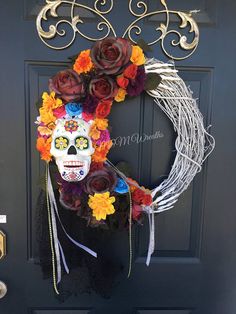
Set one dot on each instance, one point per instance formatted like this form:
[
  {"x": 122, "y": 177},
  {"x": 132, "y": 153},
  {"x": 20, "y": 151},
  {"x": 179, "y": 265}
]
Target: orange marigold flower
[
  {"x": 94, "y": 132},
  {"x": 100, "y": 154},
  {"x": 83, "y": 63},
  {"x": 120, "y": 95},
  {"x": 137, "y": 56},
  {"x": 46, "y": 115},
  {"x": 43, "y": 146},
  {"x": 50, "y": 102},
  {"x": 101, "y": 124}
]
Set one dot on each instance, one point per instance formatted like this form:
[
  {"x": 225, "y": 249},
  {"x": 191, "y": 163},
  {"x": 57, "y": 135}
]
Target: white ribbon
[{"x": 57, "y": 245}]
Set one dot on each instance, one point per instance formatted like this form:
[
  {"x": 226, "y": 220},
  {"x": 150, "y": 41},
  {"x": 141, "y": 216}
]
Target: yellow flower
[
  {"x": 46, "y": 115},
  {"x": 101, "y": 204},
  {"x": 81, "y": 143},
  {"x": 61, "y": 143},
  {"x": 101, "y": 124},
  {"x": 44, "y": 130},
  {"x": 120, "y": 95},
  {"x": 137, "y": 56},
  {"x": 50, "y": 101},
  {"x": 83, "y": 63}
]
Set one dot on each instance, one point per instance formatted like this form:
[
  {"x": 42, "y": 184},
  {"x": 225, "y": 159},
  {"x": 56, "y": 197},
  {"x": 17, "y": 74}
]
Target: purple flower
[
  {"x": 90, "y": 104},
  {"x": 136, "y": 86}
]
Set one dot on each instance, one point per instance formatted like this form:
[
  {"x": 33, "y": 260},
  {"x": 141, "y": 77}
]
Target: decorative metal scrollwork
[{"x": 101, "y": 9}]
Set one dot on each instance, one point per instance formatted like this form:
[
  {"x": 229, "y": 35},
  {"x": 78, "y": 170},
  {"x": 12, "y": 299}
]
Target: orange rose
[
  {"x": 103, "y": 109},
  {"x": 131, "y": 71},
  {"x": 121, "y": 95},
  {"x": 122, "y": 81},
  {"x": 137, "y": 56}
]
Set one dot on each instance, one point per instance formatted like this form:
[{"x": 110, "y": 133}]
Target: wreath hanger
[{"x": 138, "y": 10}]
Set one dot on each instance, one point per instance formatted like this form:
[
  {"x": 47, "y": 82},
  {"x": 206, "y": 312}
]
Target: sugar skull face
[{"x": 72, "y": 148}]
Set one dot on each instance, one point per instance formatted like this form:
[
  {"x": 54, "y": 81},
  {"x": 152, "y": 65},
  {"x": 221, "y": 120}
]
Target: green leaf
[
  {"x": 152, "y": 81},
  {"x": 143, "y": 45}
]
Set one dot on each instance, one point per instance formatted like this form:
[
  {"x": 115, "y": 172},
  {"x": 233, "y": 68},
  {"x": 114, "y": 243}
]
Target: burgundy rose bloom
[
  {"x": 100, "y": 181},
  {"x": 111, "y": 54},
  {"x": 103, "y": 87},
  {"x": 70, "y": 194},
  {"x": 136, "y": 86},
  {"x": 90, "y": 104},
  {"x": 68, "y": 85}
]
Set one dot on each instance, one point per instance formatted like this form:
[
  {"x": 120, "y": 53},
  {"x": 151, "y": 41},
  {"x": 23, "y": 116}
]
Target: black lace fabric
[{"x": 87, "y": 273}]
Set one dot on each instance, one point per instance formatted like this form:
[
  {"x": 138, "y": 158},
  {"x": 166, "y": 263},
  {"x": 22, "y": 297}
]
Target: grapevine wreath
[{"x": 73, "y": 133}]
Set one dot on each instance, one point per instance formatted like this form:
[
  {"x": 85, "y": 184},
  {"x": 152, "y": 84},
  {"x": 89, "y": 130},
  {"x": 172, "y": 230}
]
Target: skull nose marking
[{"x": 72, "y": 150}]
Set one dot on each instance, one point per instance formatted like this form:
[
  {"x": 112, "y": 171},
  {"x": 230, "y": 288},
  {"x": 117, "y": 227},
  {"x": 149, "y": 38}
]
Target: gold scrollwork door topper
[{"x": 138, "y": 10}]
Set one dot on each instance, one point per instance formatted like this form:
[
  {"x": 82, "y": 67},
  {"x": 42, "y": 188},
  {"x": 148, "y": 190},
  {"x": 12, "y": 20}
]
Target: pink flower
[
  {"x": 87, "y": 116},
  {"x": 59, "y": 112},
  {"x": 104, "y": 137},
  {"x": 136, "y": 211}
]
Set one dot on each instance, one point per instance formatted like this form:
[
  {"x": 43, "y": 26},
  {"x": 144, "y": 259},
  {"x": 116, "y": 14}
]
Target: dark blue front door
[{"x": 193, "y": 267}]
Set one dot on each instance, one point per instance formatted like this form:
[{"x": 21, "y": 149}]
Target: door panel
[{"x": 193, "y": 266}]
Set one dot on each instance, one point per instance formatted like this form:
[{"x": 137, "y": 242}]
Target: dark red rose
[
  {"x": 100, "y": 181},
  {"x": 68, "y": 85},
  {"x": 111, "y": 54},
  {"x": 103, "y": 87}
]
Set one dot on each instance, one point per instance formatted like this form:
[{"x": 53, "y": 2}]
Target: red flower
[
  {"x": 68, "y": 85},
  {"x": 136, "y": 211},
  {"x": 87, "y": 116},
  {"x": 137, "y": 196},
  {"x": 59, "y": 112},
  {"x": 111, "y": 54},
  {"x": 100, "y": 181},
  {"x": 103, "y": 109},
  {"x": 131, "y": 71},
  {"x": 122, "y": 81},
  {"x": 140, "y": 197},
  {"x": 147, "y": 199},
  {"x": 103, "y": 87}
]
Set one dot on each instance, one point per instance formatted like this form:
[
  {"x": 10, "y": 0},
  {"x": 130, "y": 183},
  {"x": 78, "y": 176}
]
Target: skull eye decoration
[{"x": 72, "y": 148}]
